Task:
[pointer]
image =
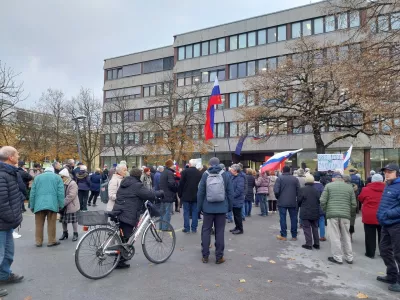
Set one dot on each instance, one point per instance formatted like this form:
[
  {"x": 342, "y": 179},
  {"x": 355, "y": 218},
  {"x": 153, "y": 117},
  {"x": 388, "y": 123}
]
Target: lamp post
[
  {"x": 215, "y": 155},
  {"x": 78, "y": 138}
]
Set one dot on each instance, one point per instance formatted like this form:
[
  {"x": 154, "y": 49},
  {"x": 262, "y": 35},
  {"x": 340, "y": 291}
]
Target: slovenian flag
[
  {"x": 215, "y": 99},
  {"x": 346, "y": 158},
  {"x": 275, "y": 162}
]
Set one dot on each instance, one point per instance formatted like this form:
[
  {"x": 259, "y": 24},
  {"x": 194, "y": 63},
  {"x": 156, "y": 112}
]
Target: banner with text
[{"x": 330, "y": 162}]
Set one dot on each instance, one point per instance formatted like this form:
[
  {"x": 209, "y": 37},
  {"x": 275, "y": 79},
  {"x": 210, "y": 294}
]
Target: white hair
[
  {"x": 236, "y": 167},
  {"x": 160, "y": 168},
  {"x": 71, "y": 161},
  {"x": 84, "y": 168},
  {"x": 120, "y": 168},
  {"x": 192, "y": 162},
  {"x": 123, "y": 162},
  {"x": 340, "y": 171},
  {"x": 6, "y": 152}
]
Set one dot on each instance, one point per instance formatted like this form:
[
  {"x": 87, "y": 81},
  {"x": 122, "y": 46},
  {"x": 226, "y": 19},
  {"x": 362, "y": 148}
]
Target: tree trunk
[{"x": 319, "y": 143}]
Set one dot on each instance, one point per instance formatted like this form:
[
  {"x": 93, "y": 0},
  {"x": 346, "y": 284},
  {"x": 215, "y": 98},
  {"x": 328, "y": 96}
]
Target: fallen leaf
[
  {"x": 206, "y": 290},
  {"x": 290, "y": 258},
  {"x": 26, "y": 298},
  {"x": 242, "y": 280},
  {"x": 362, "y": 296},
  {"x": 381, "y": 273},
  {"x": 240, "y": 290},
  {"x": 249, "y": 266},
  {"x": 217, "y": 285},
  {"x": 272, "y": 262},
  {"x": 269, "y": 281}
]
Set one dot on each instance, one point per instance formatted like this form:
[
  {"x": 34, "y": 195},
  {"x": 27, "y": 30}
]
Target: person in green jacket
[
  {"x": 46, "y": 199},
  {"x": 339, "y": 203}
]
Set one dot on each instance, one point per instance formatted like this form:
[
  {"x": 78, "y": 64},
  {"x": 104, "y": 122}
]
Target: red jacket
[{"x": 370, "y": 197}]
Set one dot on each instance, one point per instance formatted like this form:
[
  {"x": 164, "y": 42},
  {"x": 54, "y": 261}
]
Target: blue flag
[{"x": 239, "y": 145}]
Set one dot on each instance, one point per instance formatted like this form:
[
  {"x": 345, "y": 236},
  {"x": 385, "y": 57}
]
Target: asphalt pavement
[{"x": 268, "y": 269}]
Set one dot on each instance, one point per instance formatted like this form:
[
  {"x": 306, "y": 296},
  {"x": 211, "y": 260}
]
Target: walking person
[
  {"x": 286, "y": 190},
  {"x": 10, "y": 214},
  {"x": 46, "y": 200},
  {"x": 389, "y": 218},
  {"x": 83, "y": 181},
  {"x": 170, "y": 187},
  {"x": 71, "y": 206},
  {"x": 146, "y": 179},
  {"x": 238, "y": 184},
  {"x": 249, "y": 198},
  {"x": 263, "y": 186},
  {"x": 113, "y": 186},
  {"x": 187, "y": 192},
  {"x": 95, "y": 183},
  {"x": 214, "y": 199},
  {"x": 339, "y": 203},
  {"x": 309, "y": 205},
  {"x": 271, "y": 194}
]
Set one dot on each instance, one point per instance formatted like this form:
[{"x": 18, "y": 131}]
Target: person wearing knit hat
[
  {"x": 370, "y": 197},
  {"x": 308, "y": 202},
  {"x": 170, "y": 187},
  {"x": 145, "y": 178},
  {"x": 371, "y": 173},
  {"x": 214, "y": 161}
]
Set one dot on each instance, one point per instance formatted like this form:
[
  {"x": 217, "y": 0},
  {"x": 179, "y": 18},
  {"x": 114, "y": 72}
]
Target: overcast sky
[{"x": 62, "y": 44}]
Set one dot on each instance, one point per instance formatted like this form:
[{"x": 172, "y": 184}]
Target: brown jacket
[{"x": 71, "y": 200}]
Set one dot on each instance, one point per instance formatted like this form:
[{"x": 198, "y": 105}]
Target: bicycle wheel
[
  {"x": 90, "y": 258},
  {"x": 158, "y": 245}
]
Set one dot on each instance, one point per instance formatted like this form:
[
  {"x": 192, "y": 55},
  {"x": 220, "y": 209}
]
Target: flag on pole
[
  {"x": 275, "y": 161},
  {"x": 346, "y": 158},
  {"x": 239, "y": 145},
  {"x": 215, "y": 99}
]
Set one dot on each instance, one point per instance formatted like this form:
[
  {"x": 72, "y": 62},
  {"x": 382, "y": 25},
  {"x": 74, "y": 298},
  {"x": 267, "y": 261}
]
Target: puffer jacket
[
  {"x": 272, "y": 180},
  {"x": 251, "y": 183},
  {"x": 113, "y": 187},
  {"x": 370, "y": 198},
  {"x": 95, "y": 181},
  {"x": 168, "y": 185},
  {"x": 263, "y": 184},
  {"x": 338, "y": 200},
  {"x": 10, "y": 198},
  {"x": 287, "y": 189},
  {"x": 389, "y": 208},
  {"x": 239, "y": 184},
  {"x": 82, "y": 179},
  {"x": 71, "y": 200},
  {"x": 308, "y": 202}
]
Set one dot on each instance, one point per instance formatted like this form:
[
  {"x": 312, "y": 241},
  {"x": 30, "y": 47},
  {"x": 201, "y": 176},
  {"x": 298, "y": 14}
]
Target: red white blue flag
[
  {"x": 275, "y": 162},
  {"x": 346, "y": 158},
  {"x": 215, "y": 99}
]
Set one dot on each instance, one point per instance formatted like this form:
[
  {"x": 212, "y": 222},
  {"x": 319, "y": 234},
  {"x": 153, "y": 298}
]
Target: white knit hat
[
  {"x": 49, "y": 169},
  {"x": 64, "y": 173},
  {"x": 377, "y": 178}
]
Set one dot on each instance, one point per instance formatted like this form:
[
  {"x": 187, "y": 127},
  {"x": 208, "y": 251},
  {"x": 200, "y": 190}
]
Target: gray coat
[{"x": 286, "y": 190}]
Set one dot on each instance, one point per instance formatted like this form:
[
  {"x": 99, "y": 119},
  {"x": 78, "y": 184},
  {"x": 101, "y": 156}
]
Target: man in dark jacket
[
  {"x": 214, "y": 212},
  {"x": 26, "y": 178},
  {"x": 286, "y": 191},
  {"x": 156, "y": 182},
  {"x": 170, "y": 188},
  {"x": 389, "y": 217},
  {"x": 83, "y": 181},
  {"x": 10, "y": 213},
  {"x": 239, "y": 183},
  {"x": 104, "y": 175},
  {"x": 251, "y": 183},
  {"x": 188, "y": 186}
]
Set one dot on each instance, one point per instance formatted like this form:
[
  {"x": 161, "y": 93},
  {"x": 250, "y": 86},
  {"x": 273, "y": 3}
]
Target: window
[
  {"x": 220, "y": 130},
  {"x": 120, "y": 73},
  {"x": 181, "y": 106},
  {"x": 251, "y": 39},
  {"x": 181, "y": 53},
  {"x": 262, "y": 37},
  {"x": 296, "y": 30},
  {"x": 395, "y": 21},
  {"x": 196, "y": 104},
  {"x": 272, "y": 63},
  {"x": 196, "y": 50},
  {"x": 153, "y": 66},
  {"x": 221, "y": 45},
  {"x": 250, "y": 99},
  {"x": 146, "y": 91},
  {"x": 233, "y": 40},
  {"x": 137, "y": 115},
  {"x": 329, "y": 23},
  {"x": 342, "y": 21},
  {"x": 213, "y": 75},
  {"x": 262, "y": 65},
  {"x": 204, "y": 77},
  {"x": 152, "y": 113},
  {"x": 196, "y": 79},
  {"x": 189, "y": 51},
  {"x": 343, "y": 52},
  {"x": 166, "y": 111},
  {"x": 204, "y": 48},
  {"x": 241, "y": 99},
  {"x": 233, "y": 71},
  {"x": 281, "y": 33},
  {"x": 159, "y": 89},
  {"x": 242, "y": 70},
  {"x": 145, "y": 114},
  {"x": 115, "y": 73},
  {"x": 271, "y": 35},
  {"x": 233, "y": 100},
  {"x": 306, "y": 27},
  {"x": 354, "y": 19},
  {"x": 109, "y": 75},
  {"x": 181, "y": 81},
  {"x": 251, "y": 68},
  {"x": 221, "y": 75},
  {"x": 168, "y": 63},
  {"x": 204, "y": 103},
  {"x": 233, "y": 129},
  {"x": 242, "y": 41},
  {"x": 152, "y": 90},
  {"x": 107, "y": 139},
  {"x": 318, "y": 25},
  {"x": 188, "y": 80},
  {"x": 213, "y": 47},
  {"x": 383, "y": 23}
]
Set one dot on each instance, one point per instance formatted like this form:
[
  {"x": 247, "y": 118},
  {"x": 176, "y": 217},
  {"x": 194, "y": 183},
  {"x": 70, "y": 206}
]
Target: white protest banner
[
  {"x": 330, "y": 162},
  {"x": 199, "y": 163}
]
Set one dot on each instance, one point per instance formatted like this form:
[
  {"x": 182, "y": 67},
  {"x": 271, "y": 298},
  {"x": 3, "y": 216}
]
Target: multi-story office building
[{"x": 233, "y": 52}]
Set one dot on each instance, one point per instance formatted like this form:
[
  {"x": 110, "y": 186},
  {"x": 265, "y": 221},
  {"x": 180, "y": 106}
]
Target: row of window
[
  {"x": 157, "y": 65},
  {"x": 195, "y": 77},
  {"x": 386, "y": 23},
  {"x": 272, "y": 35},
  {"x": 136, "y": 92}
]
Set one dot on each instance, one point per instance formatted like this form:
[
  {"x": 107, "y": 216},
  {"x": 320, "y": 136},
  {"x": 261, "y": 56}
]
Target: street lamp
[
  {"x": 214, "y": 150},
  {"x": 78, "y": 138}
]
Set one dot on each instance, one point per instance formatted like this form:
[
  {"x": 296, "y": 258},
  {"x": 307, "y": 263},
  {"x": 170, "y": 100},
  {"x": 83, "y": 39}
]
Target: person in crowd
[
  {"x": 113, "y": 170},
  {"x": 389, "y": 218},
  {"x": 10, "y": 214},
  {"x": 286, "y": 190},
  {"x": 105, "y": 175},
  {"x": 301, "y": 177},
  {"x": 57, "y": 167},
  {"x": 120, "y": 173},
  {"x": 153, "y": 171},
  {"x": 308, "y": 202},
  {"x": 339, "y": 203},
  {"x": 257, "y": 197},
  {"x": 238, "y": 184},
  {"x": 295, "y": 173},
  {"x": 356, "y": 180},
  {"x": 157, "y": 176},
  {"x": 71, "y": 206},
  {"x": 214, "y": 208},
  {"x": 370, "y": 197},
  {"x": 170, "y": 187},
  {"x": 71, "y": 168},
  {"x": 321, "y": 222},
  {"x": 243, "y": 174},
  {"x": 26, "y": 178},
  {"x": 83, "y": 181},
  {"x": 262, "y": 184},
  {"x": 187, "y": 192},
  {"x": 129, "y": 201},
  {"x": 203, "y": 169},
  {"x": 369, "y": 179},
  {"x": 307, "y": 171},
  {"x": 95, "y": 182},
  {"x": 271, "y": 194},
  {"x": 37, "y": 170},
  {"x": 46, "y": 199},
  {"x": 146, "y": 179},
  {"x": 347, "y": 179},
  {"x": 249, "y": 197}
]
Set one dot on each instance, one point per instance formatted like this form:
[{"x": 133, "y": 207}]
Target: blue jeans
[
  {"x": 322, "y": 226},
  {"x": 293, "y": 220},
  {"x": 258, "y": 198},
  {"x": 248, "y": 206},
  {"x": 243, "y": 211},
  {"x": 6, "y": 253},
  {"x": 190, "y": 209},
  {"x": 263, "y": 204},
  {"x": 165, "y": 211},
  {"x": 229, "y": 216}
]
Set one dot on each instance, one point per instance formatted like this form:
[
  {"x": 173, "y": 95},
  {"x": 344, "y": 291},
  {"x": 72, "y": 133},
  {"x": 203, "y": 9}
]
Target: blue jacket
[
  {"x": 215, "y": 207},
  {"x": 156, "y": 182},
  {"x": 389, "y": 208},
  {"x": 239, "y": 182},
  {"x": 95, "y": 182},
  {"x": 82, "y": 179}
]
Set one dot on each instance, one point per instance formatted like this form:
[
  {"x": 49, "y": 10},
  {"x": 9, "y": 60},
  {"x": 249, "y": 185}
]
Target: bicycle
[{"x": 105, "y": 246}]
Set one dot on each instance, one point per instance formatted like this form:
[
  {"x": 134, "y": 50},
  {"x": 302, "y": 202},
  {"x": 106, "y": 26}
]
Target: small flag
[
  {"x": 346, "y": 158},
  {"x": 239, "y": 145},
  {"x": 276, "y": 160},
  {"x": 215, "y": 99}
]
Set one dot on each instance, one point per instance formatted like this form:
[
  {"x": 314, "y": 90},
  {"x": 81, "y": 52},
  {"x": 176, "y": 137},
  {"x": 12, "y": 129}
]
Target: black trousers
[
  {"x": 370, "y": 231},
  {"x": 237, "y": 215},
  {"x": 127, "y": 230},
  {"x": 93, "y": 195},
  {"x": 83, "y": 198},
  {"x": 272, "y": 205},
  {"x": 390, "y": 250},
  {"x": 310, "y": 228},
  {"x": 218, "y": 221}
]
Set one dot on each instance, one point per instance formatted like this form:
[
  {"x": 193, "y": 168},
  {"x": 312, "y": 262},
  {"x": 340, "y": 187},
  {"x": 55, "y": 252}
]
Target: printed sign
[
  {"x": 199, "y": 163},
  {"x": 330, "y": 162}
]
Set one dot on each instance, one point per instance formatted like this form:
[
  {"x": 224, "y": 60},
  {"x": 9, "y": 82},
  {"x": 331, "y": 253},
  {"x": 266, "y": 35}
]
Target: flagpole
[{"x": 229, "y": 143}]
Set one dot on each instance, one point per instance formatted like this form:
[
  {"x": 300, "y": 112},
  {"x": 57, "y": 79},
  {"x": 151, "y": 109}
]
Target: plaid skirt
[{"x": 69, "y": 218}]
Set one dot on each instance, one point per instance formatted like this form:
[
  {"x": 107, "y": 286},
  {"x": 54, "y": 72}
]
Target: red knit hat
[{"x": 146, "y": 170}]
